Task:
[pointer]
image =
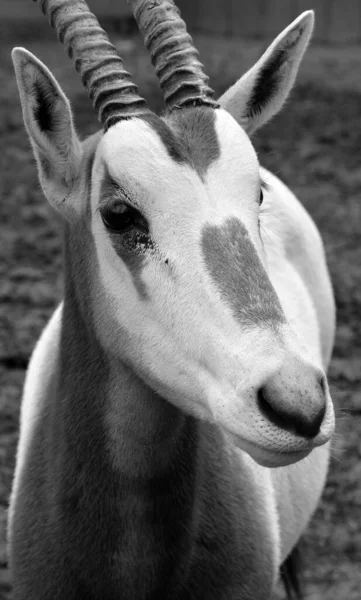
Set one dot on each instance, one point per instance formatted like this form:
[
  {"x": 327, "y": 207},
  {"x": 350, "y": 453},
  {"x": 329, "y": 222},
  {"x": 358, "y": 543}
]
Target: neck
[
  {"x": 106, "y": 401},
  {"x": 125, "y": 465}
]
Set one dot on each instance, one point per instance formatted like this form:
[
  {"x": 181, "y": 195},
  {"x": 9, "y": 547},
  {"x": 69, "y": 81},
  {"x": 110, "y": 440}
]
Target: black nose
[{"x": 296, "y": 407}]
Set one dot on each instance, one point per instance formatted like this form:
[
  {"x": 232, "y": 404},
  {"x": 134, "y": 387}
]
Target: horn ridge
[
  {"x": 110, "y": 87},
  {"x": 173, "y": 54}
]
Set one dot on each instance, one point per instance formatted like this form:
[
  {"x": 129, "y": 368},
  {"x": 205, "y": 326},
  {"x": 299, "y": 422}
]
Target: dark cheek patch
[
  {"x": 134, "y": 248},
  {"x": 239, "y": 275}
]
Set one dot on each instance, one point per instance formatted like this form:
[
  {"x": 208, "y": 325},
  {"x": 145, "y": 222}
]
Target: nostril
[
  {"x": 277, "y": 417},
  {"x": 290, "y": 420},
  {"x": 311, "y": 428}
]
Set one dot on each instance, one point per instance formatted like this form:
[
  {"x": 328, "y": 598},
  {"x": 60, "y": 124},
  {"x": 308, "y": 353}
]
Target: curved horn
[
  {"x": 110, "y": 87},
  {"x": 173, "y": 55}
]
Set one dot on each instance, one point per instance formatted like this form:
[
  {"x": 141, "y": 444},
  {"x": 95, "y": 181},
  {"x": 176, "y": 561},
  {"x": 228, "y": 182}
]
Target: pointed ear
[
  {"x": 261, "y": 92},
  {"x": 48, "y": 121}
]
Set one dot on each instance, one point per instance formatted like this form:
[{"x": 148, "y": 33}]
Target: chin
[
  {"x": 272, "y": 460},
  {"x": 266, "y": 457}
]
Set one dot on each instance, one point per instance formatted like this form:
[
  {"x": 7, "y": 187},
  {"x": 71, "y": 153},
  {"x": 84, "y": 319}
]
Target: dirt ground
[{"x": 314, "y": 145}]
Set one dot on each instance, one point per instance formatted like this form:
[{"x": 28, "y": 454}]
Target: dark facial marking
[
  {"x": 269, "y": 77},
  {"x": 189, "y": 136},
  {"x": 134, "y": 246},
  {"x": 239, "y": 275},
  {"x": 146, "y": 521},
  {"x": 170, "y": 140},
  {"x": 44, "y": 109},
  {"x": 196, "y": 128}
]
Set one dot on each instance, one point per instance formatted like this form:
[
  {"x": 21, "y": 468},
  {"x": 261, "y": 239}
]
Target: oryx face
[
  {"x": 180, "y": 290},
  {"x": 191, "y": 306}
]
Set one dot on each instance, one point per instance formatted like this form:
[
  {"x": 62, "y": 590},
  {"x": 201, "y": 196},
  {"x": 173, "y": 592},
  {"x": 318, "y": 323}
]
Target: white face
[{"x": 186, "y": 298}]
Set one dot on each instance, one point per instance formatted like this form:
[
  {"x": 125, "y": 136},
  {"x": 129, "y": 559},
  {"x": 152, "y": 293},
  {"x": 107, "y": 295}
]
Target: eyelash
[
  {"x": 120, "y": 218},
  {"x": 264, "y": 187}
]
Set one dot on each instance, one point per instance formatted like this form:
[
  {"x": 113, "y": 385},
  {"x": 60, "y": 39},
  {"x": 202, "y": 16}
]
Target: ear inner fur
[{"x": 261, "y": 92}]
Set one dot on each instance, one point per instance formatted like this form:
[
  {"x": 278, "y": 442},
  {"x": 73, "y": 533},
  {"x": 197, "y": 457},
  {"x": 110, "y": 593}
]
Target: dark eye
[
  {"x": 120, "y": 218},
  {"x": 260, "y": 196}
]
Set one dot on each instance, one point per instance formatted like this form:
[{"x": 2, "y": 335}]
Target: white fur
[
  {"x": 61, "y": 151},
  {"x": 292, "y": 238},
  {"x": 199, "y": 373},
  {"x": 183, "y": 339},
  {"x": 38, "y": 383},
  {"x": 294, "y": 39}
]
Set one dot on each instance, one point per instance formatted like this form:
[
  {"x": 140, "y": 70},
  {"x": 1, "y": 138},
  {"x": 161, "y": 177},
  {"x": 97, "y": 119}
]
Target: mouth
[{"x": 265, "y": 457}]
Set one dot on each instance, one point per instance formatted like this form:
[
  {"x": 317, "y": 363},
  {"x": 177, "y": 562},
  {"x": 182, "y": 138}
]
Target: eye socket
[
  {"x": 260, "y": 197},
  {"x": 120, "y": 217}
]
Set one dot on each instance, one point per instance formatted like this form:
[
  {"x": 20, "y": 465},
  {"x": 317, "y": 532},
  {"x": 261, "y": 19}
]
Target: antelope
[{"x": 176, "y": 419}]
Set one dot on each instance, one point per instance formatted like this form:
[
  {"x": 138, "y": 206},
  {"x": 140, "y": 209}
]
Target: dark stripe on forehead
[
  {"x": 189, "y": 136},
  {"x": 196, "y": 129},
  {"x": 134, "y": 248},
  {"x": 171, "y": 141},
  {"x": 238, "y": 273}
]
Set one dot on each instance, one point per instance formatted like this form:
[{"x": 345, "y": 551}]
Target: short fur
[
  {"x": 189, "y": 137},
  {"x": 290, "y": 570},
  {"x": 253, "y": 299},
  {"x": 143, "y": 460},
  {"x": 269, "y": 82}
]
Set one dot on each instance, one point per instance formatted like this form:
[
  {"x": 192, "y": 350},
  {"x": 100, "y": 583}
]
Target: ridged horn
[
  {"x": 173, "y": 54},
  {"x": 110, "y": 87}
]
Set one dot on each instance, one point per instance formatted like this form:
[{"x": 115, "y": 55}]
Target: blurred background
[
  {"x": 314, "y": 145},
  {"x": 339, "y": 21}
]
